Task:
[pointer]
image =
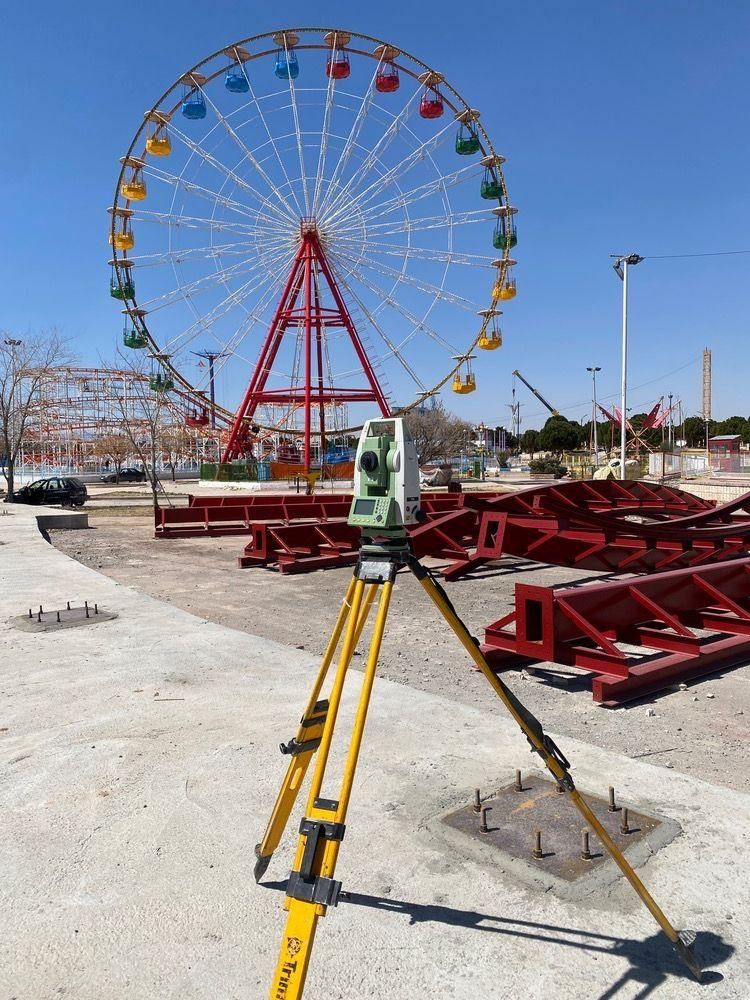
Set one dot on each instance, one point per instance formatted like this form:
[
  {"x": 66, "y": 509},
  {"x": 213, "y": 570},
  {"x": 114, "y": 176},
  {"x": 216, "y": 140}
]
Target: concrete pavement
[{"x": 138, "y": 764}]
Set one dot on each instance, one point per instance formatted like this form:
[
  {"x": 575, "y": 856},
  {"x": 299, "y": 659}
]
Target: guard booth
[{"x": 724, "y": 453}]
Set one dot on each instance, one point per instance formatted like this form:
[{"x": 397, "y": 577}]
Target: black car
[
  {"x": 126, "y": 476},
  {"x": 64, "y": 490}
]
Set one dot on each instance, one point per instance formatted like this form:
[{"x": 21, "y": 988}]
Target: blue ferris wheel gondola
[
  {"x": 287, "y": 65},
  {"x": 235, "y": 81},
  {"x": 194, "y": 105}
]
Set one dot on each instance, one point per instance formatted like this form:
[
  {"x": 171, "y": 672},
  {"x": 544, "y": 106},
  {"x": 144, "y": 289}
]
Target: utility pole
[
  {"x": 671, "y": 423},
  {"x": 593, "y": 371},
  {"x": 210, "y": 356},
  {"x": 621, "y": 266}
]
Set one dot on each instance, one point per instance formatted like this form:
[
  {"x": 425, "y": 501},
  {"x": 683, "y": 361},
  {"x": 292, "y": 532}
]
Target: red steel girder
[
  {"x": 236, "y": 514},
  {"x": 586, "y": 627},
  {"x": 584, "y": 526}
]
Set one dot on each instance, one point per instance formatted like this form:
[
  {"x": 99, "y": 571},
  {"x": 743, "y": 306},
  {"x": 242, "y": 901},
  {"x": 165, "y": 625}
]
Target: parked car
[
  {"x": 65, "y": 490},
  {"x": 126, "y": 476}
]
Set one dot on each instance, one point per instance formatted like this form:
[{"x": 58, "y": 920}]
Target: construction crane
[{"x": 539, "y": 396}]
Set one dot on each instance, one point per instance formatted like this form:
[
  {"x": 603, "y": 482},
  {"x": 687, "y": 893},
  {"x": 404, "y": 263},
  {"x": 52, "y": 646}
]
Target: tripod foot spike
[
  {"x": 683, "y": 946},
  {"x": 261, "y": 864}
]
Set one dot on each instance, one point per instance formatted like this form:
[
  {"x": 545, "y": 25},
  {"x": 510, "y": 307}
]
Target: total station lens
[{"x": 369, "y": 461}]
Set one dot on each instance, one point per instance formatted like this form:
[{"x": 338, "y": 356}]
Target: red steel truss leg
[{"x": 310, "y": 321}]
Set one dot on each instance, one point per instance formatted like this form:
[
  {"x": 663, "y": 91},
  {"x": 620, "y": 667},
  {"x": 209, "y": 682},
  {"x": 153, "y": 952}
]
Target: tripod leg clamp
[
  {"x": 304, "y": 884},
  {"x": 296, "y": 746}
]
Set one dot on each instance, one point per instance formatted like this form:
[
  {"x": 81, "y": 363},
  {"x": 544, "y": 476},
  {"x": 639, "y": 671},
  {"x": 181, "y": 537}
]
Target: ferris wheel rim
[{"x": 452, "y": 98}]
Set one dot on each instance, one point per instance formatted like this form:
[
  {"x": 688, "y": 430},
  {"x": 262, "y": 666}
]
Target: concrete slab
[{"x": 138, "y": 764}]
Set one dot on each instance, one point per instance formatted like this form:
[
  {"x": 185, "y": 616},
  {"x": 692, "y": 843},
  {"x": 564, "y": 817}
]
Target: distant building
[{"x": 724, "y": 452}]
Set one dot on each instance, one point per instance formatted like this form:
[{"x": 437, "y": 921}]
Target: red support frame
[
  {"x": 673, "y": 626},
  {"x": 309, "y": 270}
]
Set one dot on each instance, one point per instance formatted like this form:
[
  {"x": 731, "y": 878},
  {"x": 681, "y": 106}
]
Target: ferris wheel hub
[{"x": 308, "y": 226}]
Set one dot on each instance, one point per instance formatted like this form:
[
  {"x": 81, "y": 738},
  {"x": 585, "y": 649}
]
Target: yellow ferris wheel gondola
[
  {"x": 121, "y": 234},
  {"x": 504, "y": 287},
  {"x": 466, "y": 383},
  {"x": 491, "y": 336},
  {"x": 133, "y": 187},
  {"x": 159, "y": 143}
]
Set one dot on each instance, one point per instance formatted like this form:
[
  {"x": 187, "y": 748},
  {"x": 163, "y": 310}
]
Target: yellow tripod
[{"x": 311, "y": 888}]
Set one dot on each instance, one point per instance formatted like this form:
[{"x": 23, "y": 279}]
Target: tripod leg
[
  {"x": 312, "y": 889},
  {"x": 302, "y": 747},
  {"x": 554, "y": 761}
]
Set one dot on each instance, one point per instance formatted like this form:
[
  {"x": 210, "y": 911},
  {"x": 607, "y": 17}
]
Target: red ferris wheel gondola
[
  {"x": 337, "y": 64},
  {"x": 431, "y": 103},
  {"x": 387, "y": 80},
  {"x": 196, "y": 418}
]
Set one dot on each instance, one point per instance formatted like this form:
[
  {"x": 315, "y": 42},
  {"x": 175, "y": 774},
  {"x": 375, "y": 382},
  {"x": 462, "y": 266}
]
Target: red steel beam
[{"x": 587, "y": 628}]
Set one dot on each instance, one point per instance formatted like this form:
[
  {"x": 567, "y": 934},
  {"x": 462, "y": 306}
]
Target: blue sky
[{"x": 624, "y": 126}]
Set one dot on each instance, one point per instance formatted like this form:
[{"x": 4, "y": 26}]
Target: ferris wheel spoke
[
  {"x": 229, "y": 348},
  {"x": 229, "y": 173},
  {"x": 269, "y": 133},
  {"x": 249, "y": 155},
  {"x": 351, "y": 141},
  {"x": 405, "y": 164},
  {"x": 213, "y": 197},
  {"x": 175, "y": 256},
  {"x": 431, "y": 187},
  {"x": 325, "y": 130},
  {"x": 204, "y": 283},
  {"x": 403, "y": 277},
  {"x": 298, "y": 131},
  {"x": 331, "y": 207},
  {"x": 428, "y": 254},
  {"x": 191, "y": 222},
  {"x": 381, "y": 332},
  {"x": 418, "y": 324},
  {"x": 204, "y": 322},
  {"x": 412, "y": 225}
]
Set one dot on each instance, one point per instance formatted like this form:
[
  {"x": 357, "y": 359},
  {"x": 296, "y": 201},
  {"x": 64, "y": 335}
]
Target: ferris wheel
[{"x": 327, "y": 217}]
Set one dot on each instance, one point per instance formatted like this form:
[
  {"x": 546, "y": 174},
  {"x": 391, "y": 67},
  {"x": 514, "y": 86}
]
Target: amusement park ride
[{"x": 311, "y": 202}]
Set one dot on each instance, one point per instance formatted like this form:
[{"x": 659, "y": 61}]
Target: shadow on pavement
[{"x": 651, "y": 961}]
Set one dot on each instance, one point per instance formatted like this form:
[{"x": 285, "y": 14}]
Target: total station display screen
[{"x": 364, "y": 506}]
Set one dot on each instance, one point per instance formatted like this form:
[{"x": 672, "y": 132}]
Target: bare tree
[
  {"x": 24, "y": 363},
  {"x": 177, "y": 444},
  {"x": 438, "y": 434},
  {"x": 116, "y": 448},
  {"x": 143, "y": 413}
]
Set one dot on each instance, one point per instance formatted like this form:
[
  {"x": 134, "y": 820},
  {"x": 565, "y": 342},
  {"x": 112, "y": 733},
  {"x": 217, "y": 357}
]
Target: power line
[{"x": 714, "y": 253}]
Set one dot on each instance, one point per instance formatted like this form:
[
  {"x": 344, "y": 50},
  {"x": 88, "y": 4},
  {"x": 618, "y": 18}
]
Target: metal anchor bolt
[
  {"x": 96, "y": 609},
  {"x": 58, "y": 617},
  {"x": 519, "y": 783},
  {"x": 86, "y": 607},
  {"x": 624, "y": 828},
  {"x": 477, "y": 807},
  {"x": 613, "y": 807},
  {"x": 585, "y": 850},
  {"x": 68, "y": 603},
  {"x": 483, "y": 828},
  {"x": 537, "y": 852}
]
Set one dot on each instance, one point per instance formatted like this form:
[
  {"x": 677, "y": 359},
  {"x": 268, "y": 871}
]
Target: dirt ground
[{"x": 702, "y": 731}]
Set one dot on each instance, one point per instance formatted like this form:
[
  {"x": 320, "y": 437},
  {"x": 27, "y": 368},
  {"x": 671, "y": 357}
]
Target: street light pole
[
  {"x": 621, "y": 266},
  {"x": 210, "y": 356},
  {"x": 593, "y": 371}
]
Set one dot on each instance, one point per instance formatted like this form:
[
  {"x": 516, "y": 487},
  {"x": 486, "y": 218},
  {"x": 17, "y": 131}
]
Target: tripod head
[{"x": 386, "y": 479}]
